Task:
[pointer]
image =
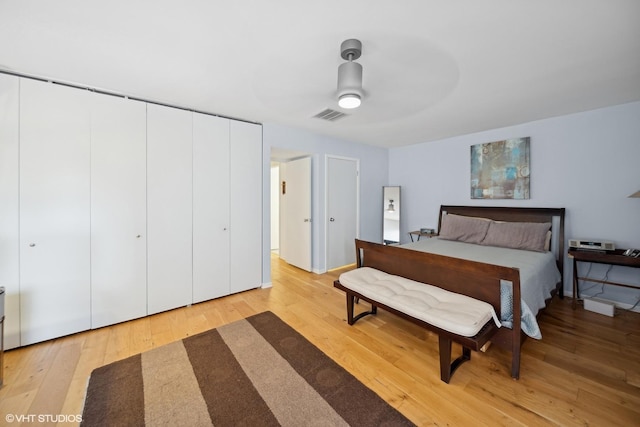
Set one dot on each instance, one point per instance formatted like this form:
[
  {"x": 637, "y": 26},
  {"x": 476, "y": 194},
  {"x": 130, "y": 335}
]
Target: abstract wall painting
[{"x": 500, "y": 169}]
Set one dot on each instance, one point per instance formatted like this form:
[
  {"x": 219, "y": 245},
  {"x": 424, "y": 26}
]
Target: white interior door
[
  {"x": 295, "y": 213},
  {"x": 54, "y": 211},
  {"x": 342, "y": 211},
  {"x": 169, "y": 208},
  {"x": 210, "y": 207},
  {"x": 118, "y": 210}
]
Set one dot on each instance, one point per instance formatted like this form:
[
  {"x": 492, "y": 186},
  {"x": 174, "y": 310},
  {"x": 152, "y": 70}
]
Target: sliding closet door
[
  {"x": 210, "y": 207},
  {"x": 169, "y": 208},
  {"x": 118, "y": 210},
  {"x": 245, "y": 206},
  {"x": 9, "y": 207},
  {"x": 54, "y": 211}
]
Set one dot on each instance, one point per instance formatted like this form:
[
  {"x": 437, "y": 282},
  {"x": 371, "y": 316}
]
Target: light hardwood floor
[{"x": 585, "y": 370}]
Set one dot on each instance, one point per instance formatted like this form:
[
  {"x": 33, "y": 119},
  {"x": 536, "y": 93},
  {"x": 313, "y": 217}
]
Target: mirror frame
[{"x": 391, "y": 214}]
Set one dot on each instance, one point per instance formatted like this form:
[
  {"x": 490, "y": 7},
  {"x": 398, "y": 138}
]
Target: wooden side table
[
  {"x": 610, "y": 258},
  {"x": 421, "y": 234}
]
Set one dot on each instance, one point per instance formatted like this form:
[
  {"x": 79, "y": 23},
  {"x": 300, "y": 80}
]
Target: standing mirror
[{"x": 391, "y": 215}]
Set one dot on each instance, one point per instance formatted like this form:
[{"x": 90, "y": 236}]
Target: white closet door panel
[
  {"x": 9, "y": 207},
  {"x": 245, "y": 206},
  {"x": 210, "y": 207},
  {"x": 118, "y": 210},
  {"x": 169, "y": 208},
  {"x": 54, "y": 211}
]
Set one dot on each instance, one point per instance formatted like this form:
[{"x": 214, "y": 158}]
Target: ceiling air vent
[{"x": 329, "y": 115}]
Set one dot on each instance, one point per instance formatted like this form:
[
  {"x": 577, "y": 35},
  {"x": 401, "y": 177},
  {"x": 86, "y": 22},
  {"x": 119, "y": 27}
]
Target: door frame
[{"x": 326, "y": 201}]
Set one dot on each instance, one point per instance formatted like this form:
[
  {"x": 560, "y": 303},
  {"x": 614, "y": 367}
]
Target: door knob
[
  {"x": 332, "y": 219},
  {"x": 138, "y": 236},
  {"x": 31, "y": 245}
]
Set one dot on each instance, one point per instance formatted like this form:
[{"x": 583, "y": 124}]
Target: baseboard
[{"x": 626, "y": 306}]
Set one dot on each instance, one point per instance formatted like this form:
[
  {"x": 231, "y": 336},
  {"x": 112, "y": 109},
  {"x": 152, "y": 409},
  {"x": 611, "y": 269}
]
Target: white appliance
[{"x": 598, "y": 245}]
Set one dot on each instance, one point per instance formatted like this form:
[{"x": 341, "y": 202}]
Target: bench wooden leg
[
  {"x": 447, "y": 368},
  {"x": 351, "y": 319},
  {"x": 445, "y": 359},
  {"x": 515, "y": 363}
]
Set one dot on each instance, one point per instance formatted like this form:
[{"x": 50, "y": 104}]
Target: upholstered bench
[{"x": 454, "y": 317}]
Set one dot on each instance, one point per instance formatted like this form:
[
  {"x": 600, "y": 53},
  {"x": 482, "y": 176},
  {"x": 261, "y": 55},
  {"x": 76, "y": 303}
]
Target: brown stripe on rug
[
  {"x": 115, "y": 392},
  {"x": 256, "y": 371},
  {"x": 230, "y": 396}
]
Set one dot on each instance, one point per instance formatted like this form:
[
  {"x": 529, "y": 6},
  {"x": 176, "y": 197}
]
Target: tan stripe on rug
[
  {"x": 291, "y": 399},
  {"x": 171, "y": 390}
]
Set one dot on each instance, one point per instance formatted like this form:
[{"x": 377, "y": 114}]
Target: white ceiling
[{"x": 432, "y": 69}]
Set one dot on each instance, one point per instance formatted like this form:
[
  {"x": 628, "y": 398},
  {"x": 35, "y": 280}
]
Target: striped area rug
[{"x": 254, "y": 372}]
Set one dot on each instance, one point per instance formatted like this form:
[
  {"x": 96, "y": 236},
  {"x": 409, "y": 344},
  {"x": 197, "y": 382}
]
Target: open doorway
[{"x": 291, "y": 222}]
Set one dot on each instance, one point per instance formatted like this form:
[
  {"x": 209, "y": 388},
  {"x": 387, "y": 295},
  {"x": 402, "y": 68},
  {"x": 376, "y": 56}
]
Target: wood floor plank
[{"x": 54, "y": 388}]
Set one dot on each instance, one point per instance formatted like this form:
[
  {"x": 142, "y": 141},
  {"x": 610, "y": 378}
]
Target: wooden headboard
[{"x": 553, "y": 215}]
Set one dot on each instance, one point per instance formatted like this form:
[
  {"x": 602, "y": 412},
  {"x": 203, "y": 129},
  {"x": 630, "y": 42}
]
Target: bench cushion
[{"x": 456, "y": 313}]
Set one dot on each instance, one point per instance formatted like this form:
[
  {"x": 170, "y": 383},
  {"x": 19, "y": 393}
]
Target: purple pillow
[
  {"x": 531, "y": 236},
  {"x": 463, "y": 228}
]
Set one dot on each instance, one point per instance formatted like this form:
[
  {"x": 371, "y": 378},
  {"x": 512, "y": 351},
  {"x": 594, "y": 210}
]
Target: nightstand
[
  {"x": 421, "y": 234},
  {"x": 610, "y": 257}
]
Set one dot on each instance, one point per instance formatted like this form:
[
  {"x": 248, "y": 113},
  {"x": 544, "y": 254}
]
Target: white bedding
[{"x": 538, "y": 274}]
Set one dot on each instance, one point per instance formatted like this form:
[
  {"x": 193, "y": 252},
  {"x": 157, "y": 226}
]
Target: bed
[
  {"x": 539, "y": 275},
  {"x": 539, "y": 280},
  {"x": 530, "y": 240}
]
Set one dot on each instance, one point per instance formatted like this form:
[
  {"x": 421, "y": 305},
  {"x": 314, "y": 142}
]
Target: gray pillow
[
  {"x": 518, "y": 235},
  {"x": 463, "y": 228}
]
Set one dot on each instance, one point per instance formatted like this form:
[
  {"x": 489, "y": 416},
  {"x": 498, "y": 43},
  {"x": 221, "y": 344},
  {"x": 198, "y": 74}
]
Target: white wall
[
  {"x": 587, "y": 163},
  {"x": 373, "y": 176}
]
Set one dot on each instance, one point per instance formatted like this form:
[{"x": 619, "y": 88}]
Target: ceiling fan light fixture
[
  {"x": 350, "y": 75},
  {"x": 391, "y": 208},
  {"x": 349, "y": 100}
]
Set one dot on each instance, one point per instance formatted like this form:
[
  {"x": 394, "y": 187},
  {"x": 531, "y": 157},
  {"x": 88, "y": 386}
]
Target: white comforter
[{"x": 538, "y": 275}]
